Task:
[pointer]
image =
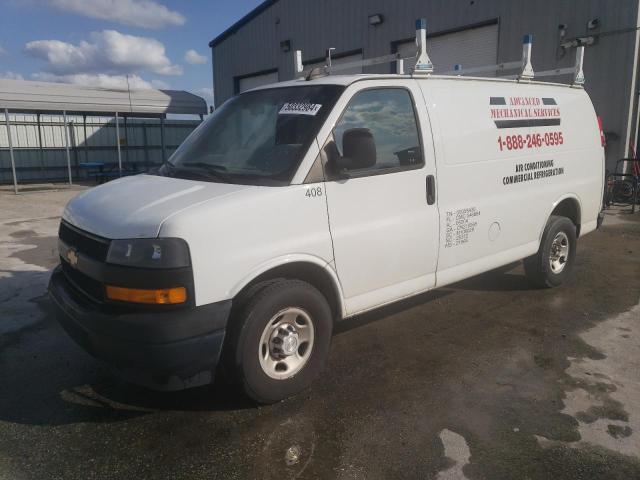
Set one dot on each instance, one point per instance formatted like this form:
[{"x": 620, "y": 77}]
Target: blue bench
[
  {"x": 112, "y": 174},
  {"x": 94, "y": 168},
  {"x": 96, "y": 171}
]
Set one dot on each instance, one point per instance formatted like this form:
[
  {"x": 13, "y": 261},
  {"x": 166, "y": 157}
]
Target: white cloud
[
  {"x": 160, "y": 85},
  {"x": 194, "y": 58},
  {"x": 9, "y": 75},
  {"x": 137, "y": 13},
  {"x": 107, "y": 52},
  {"x": 101, "y": 80}
]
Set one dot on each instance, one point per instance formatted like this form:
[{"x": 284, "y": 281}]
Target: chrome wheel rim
[
  {"x": 286, "y": 343},
  {"x": 559, "y": 255}
]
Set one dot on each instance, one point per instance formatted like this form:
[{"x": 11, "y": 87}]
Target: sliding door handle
[{"x": 431, "y": 189}]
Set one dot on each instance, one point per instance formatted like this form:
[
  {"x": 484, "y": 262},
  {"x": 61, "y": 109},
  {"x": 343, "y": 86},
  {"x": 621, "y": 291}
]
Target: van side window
[{"x": 388, "y": 115}]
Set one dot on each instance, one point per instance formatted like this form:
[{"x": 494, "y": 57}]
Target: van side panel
[
  {"x": 507, "y": 153},
  {"x": 383, "y": 228}
]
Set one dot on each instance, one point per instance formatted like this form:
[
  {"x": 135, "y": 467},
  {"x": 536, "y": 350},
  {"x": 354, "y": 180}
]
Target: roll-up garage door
[
  {"x": 247, "y": 83},
  {"x": 341, "y": 61},
  {"x": 473, "y": 47}
]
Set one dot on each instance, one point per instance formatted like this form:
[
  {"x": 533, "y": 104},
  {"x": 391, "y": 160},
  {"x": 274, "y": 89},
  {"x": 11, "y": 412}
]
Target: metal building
[
  {"x": 258, "y": 48},
  {"x": 50, "y": 131}
]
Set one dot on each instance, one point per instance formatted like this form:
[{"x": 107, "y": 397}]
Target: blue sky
[{"x": 99, "y": 42}]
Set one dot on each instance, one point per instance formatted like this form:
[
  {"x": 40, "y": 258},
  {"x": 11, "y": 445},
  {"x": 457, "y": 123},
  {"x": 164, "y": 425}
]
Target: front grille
[
  {"x": 85, "y": 284},
  {"x": 90, "y": 245}
]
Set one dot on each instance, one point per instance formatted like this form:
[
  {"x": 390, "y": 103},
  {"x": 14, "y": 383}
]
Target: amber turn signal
[{"x": 162, "y": 296}]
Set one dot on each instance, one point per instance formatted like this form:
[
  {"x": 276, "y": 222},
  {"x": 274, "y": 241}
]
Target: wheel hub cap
[
  {"x": 559, "y": 255},
  {"x": 286, "y": 343}
]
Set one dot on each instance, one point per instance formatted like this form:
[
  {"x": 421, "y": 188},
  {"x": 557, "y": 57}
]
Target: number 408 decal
[{"x": 313, "y": 192}]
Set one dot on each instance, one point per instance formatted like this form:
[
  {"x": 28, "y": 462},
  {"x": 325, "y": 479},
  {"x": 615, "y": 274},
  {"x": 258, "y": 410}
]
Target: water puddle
[
  {"x": 27, "y": 253},
  {"x": 457, "y": 450},
  {"x": 605, "y": 399}
]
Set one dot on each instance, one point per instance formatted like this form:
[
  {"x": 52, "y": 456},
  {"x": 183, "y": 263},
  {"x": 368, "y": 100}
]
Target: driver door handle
[{"x": 431, "y": 189}]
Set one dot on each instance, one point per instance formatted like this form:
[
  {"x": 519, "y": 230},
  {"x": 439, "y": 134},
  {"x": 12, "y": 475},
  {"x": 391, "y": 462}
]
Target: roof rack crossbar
[
  {"x": 556, "y": 72},
  {"x": 366, "y": 63},
  {"x": 499, "y": 67},
  {"x": 329, "y": 69}
]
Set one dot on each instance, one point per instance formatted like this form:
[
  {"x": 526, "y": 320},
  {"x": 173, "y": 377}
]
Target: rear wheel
[
  {"x": 280, "y": 340},
  {"x": 554, "y": 260}
]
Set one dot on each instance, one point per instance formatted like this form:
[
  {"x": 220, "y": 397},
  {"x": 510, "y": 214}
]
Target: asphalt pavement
[{"x": 486, "y": 379}]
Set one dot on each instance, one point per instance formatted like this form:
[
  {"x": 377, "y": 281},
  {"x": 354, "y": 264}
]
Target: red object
[{"x": 603, "y": 139}]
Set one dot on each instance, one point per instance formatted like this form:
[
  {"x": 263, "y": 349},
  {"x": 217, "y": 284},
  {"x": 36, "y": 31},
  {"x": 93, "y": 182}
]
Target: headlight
[{"x": 149, "y": 253}]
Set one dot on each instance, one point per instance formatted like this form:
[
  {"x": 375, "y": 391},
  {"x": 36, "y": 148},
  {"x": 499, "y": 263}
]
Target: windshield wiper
[
  {"x": 204, "y": 165},
  {"x": 202, "y": 169}
]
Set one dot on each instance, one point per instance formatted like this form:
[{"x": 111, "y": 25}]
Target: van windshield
[{"x": 256, "y": 138}]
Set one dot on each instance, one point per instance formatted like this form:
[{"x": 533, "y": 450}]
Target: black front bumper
[{"x": 164, "y": 350}]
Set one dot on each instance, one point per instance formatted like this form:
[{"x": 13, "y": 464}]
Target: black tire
[
  {"x": 538, "y": 268},
  {"x": 242, "y": 345}
]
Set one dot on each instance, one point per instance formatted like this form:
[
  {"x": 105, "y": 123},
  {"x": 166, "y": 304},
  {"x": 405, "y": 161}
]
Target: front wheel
[
  {"x": 554, "y": 260},
  {"x": 280, "y": 340}
]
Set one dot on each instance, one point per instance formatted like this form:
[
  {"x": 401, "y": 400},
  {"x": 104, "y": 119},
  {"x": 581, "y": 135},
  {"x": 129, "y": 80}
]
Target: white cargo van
[{"x": 304, "y": 203}]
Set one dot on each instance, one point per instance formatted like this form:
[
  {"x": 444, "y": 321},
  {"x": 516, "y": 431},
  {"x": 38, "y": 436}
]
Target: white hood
[{"x": 135, "y": 207}]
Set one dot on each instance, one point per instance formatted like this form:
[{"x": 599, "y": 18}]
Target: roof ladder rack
[{"x": 424, "y": 66}]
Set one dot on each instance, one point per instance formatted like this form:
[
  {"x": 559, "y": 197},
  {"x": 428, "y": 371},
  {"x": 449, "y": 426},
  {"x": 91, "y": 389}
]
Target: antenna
[
  {"x": 129, "y": 92},
  {"x": 423, "y": 62},
  {"x": 328, "y": 65}
]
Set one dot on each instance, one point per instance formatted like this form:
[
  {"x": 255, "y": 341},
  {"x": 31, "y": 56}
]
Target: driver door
[{"x": 383, "y": 225}]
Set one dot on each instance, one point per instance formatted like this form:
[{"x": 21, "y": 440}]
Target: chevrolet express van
[{"x": 301, "y": 204}]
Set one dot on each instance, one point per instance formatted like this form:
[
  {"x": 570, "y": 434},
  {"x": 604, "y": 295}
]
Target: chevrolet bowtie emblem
[{"x": 72, "y": 257}]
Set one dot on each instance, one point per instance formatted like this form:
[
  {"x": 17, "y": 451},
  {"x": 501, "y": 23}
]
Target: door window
[{"x": 388, "y": 115}]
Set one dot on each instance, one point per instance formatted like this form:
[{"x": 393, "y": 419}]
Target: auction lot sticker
[{"x": 300, "y": 109}]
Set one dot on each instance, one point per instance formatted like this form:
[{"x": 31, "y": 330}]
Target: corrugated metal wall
[
  {"x": 140, "y": 143},
  {"x": 314, "y": 25}
]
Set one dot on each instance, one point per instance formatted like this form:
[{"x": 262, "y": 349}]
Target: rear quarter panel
[{"x": 497, "y": 184}]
